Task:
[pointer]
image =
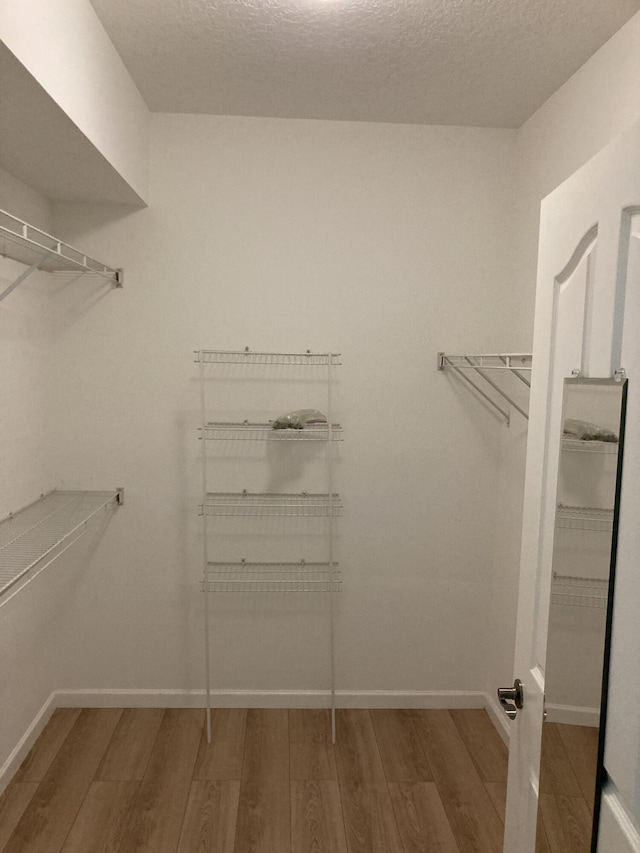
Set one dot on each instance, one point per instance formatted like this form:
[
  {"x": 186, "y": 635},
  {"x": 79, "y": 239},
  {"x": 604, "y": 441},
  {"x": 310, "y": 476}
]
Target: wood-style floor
[
  {"x": 567, "y": 788},
  {"x": 146, "y": 781},
  {"x": 113, "y": 781}
]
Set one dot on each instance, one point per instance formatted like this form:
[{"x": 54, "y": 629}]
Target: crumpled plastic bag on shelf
[
  {"x": 299, "y": 419},
  {"x": 585, "y": 431}
]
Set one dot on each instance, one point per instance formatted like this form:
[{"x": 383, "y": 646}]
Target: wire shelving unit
[
  {"x": 41, "y": 251},
  {"x": 246, "y": 431},
  {"x": 469, "y": 367},
  {"x": 577, "y": 445},
  {"x": 584, "y": 518},
  {"x": 575, "y": 591},
  {"x": 270, "y": 577},
  {"x": 303, "y": 505},
  {"x": 31, "y": 539},
  {"x": 247, "y": 356}
]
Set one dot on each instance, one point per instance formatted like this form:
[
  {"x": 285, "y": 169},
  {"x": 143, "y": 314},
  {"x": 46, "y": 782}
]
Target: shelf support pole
[
  {"x": 332, "y": 582},
  {"x": 476, "y": 388},
  {"x": 19, "y": 280},
  {"x": 497, "y": 388},
  {"x": 205, "y": 550}
]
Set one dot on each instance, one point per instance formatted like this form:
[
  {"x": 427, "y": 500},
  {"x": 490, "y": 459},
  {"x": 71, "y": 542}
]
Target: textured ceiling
[{"x": 472, "y": 62}]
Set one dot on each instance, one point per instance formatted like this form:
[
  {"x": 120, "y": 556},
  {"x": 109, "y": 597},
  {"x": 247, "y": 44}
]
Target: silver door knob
[{"x": 512, "y": 698}]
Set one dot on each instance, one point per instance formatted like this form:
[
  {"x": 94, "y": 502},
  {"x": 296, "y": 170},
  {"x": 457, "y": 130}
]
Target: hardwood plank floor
[
  {"x": 13, "y": 803},
  {"x": 421, "y": 818},
  {"x": 158, "y": 811},
  {"x": 474, "y": 820},
  {"x": 264, "y": 812},
  {"x": 103, "y": 818},
  {"x": 581, "y": 744},
  {"x": 128, "y": 753},
  {"x": 357, "y": 754},
  {"x": 567, "y": 823},
  {"x": 46, "y": 747},
  {"x": 48, "y": 818},
  {"x": 486, "y": 747},
  {"x": 556, "y": 771},
  {"x": 211, "y": 816},
  {"x": 317, "y": 825},
  {"x": 312, "y": 753},
  {"x": 400, "y": 749},
  {"x": 222, "y": 758},
  {"x": 146, "y": 781},
  {"x": 369, "y": 818}
]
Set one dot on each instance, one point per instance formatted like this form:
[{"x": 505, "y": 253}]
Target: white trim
[
  {"x": 618, "y": 831},
  {"x": 573, "y": 715},
  {"x": 21, "y": 749},
  {"x": 269, "y": 699}
]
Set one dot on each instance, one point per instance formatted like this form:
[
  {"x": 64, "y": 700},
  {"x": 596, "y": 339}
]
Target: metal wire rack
[
  {"x": 516, "y": 364},
  {"x": 577, "y": 445},
  {"x": 584, "y": 518},
  {"x": 41, "y": 251},
  {"x": 269, "y": 577},
  {"x": 245, "y": 503},
  {"x": 575, "y": 591},
  {"x": 246, "y": 356},
  {"x": 265, "y": 432},
  {"x": 36, "y": 535},
  {"x": 272, "y": 577}
]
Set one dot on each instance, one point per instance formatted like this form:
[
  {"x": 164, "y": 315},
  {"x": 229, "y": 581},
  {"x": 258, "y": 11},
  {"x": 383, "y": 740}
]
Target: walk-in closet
[{"x": 318, "y": 442}]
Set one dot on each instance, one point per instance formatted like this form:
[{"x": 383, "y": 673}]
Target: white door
[{"x": 587, "y": 320}]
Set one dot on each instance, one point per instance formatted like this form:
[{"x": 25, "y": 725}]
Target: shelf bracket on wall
[
  {"x": 467, "y": 367},
  {"x": 40, "y": 251}
]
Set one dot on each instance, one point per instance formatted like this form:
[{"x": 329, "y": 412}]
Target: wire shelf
[
  {"x": 265, "y": 432},
  {"x": 29, "y": 245},
  {"x": 584, "y": 518},
  {"x": 272, "y": 577},
  {"x": 306, "y": 359},
  {"x": 575, "y": 591},
  {"x": 577, "y": 445},
  {"x": 45, "y": 529},
  {"x": 492, "y": 361},
  {"x": 304, "y": 504}
]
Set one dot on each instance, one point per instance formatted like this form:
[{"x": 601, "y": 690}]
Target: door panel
[
  {"x": 587, "y": 317},
  {"x": 622, "y": 745}
]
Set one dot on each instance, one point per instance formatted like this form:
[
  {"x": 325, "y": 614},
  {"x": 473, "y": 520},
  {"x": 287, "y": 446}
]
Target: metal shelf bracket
[{"x": 517, "y": 364}]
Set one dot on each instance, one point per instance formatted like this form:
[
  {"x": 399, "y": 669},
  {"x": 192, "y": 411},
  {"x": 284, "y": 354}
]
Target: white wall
[
  {"x": 599, "y": 102},
  {"x": 64, "y": 46},
  {"x": 384, "y": 242},
  {"x": 27, "y": 670}
]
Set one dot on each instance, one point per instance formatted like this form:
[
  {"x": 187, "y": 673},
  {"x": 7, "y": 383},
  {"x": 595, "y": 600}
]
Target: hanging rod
[
  {"x": 514, "y": 363},
  {"x": 41, "y": 251}
]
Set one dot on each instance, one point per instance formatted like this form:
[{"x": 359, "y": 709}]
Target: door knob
[{"x": 512, "y": 698}]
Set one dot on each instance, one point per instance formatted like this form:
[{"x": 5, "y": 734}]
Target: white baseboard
[
  {"x": 21, "y": 750},
  {"x": 268, "y": 699},
  {"x": 573, "y": 715},
  {"x": 498, "y": 717}
]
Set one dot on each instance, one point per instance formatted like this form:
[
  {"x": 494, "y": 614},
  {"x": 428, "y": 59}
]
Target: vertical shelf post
[
  {"x": 332, "y": 578},
  {"x": 205, "y": 546}
]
